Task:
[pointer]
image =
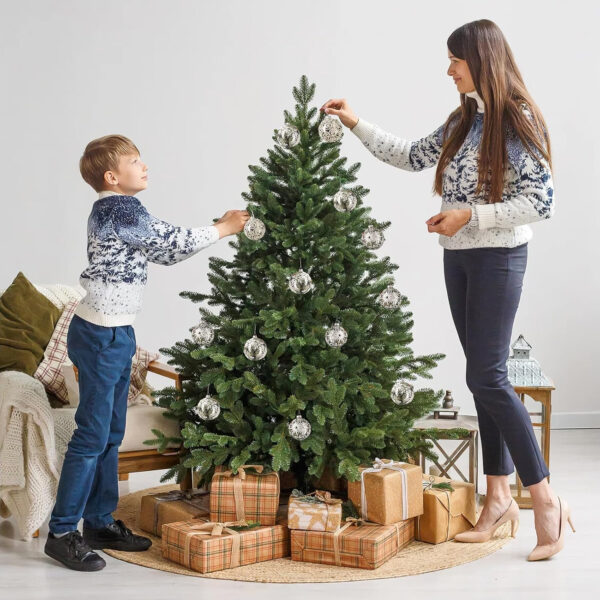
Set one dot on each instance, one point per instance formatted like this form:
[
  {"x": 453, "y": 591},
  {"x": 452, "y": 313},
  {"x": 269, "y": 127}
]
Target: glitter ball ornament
[
  {"x": 254, "y": 228},
  {"x": 300, "y": 282},
  {"x": 299, "y": 428},
  {"x": 344, "y": 200},
  {"x": 336, "y": 336},
  {"x": 330, "y": 129},
  {"x": 203, "y": 333},
  {"x": 288, "y": 136},
  {"x": 372, "y": 237},
  {"x": 402, "y": 392},
  {"x": 208, "y": 409},
  {"x": 390, "y": 297},
  {"x": 255, "y": 348}
]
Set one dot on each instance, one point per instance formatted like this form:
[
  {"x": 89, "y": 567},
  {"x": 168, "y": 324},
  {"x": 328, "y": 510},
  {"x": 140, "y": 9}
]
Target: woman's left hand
[{"x": 448, "y": 222}]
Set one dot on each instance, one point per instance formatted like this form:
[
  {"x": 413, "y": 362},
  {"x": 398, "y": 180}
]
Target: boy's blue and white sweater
[
  {"x": 122, "y": 238},
  {"x": 528, "y": 193}
]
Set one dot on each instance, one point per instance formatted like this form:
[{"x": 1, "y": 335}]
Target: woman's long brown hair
[{"x": 499, "y": 82}]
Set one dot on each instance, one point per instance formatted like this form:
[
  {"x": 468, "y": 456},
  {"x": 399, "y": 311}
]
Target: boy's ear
[{"x": 110, "y": 178}]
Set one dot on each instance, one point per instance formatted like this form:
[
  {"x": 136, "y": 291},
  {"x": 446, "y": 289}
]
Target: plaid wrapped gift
[
  {"x": 206, "y": 546},
  {"x": 244, "y": 496},
  {"x": 176, "y": 505},
  {"x": 316, "y": 511},
  {"x": 388, "y": 491},
  {"x": 357, "y": 544}
]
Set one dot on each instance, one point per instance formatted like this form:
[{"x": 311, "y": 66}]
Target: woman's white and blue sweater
[
  {"x": 122, "y": 238},
  {"x": 528, "y": 193}
]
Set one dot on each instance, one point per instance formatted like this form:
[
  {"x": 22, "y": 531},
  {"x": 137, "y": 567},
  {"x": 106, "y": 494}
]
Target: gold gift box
[
  {"x": 166, "y": 507},
  {"x": 445, "y": 512},
  {"x": 393, "y": 491}
]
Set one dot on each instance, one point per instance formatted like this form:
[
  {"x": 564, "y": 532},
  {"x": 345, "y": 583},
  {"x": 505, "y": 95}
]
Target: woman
[{"x": 483, "y": 227}]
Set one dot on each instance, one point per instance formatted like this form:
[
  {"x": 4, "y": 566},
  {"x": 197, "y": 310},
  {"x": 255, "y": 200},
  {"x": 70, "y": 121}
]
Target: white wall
[{"x": 200, "y": 86}]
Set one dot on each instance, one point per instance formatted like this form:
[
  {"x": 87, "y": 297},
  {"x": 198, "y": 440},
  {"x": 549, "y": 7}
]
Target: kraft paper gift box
[
  {"x": 388, "y": 492},
  {"x": 251, "y": 496},
  {"x": 445, "y": 512},
  {"x": 207, "y": 546},
  {"x": 316, "y": 511},
  {"x": 356, "y": 544},
  {"x": 166, "y": 507}
]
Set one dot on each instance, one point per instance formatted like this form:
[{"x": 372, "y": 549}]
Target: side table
[{"x": 449, "y": 461}]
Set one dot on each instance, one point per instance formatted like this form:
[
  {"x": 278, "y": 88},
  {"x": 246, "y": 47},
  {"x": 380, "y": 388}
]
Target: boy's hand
[{"x": 231, "y": 222}]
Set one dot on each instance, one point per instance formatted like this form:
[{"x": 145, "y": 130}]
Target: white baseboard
[{"x": 576, "y": 420}]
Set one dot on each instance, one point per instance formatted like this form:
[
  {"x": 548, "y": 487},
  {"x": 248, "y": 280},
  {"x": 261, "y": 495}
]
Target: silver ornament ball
[
  {"x": 299, "y": 428},
  {"x": 255, "y": 348},
  {"x": 203, "y": 334},
  {"x": 336, "y": 336},
  {"x": 330, "y": 129},
  {"x": 372, "y": 237},
  {"x": 301, "y": 282},
  {"x": 344, "y": 200},
  {"x": 254, "y": 228},
  {"x": 208, "y": 409},
  {"x": 288, "y": 136},
  {"x": 390, "y": 297},
  {"x": 402, "y": 392}
]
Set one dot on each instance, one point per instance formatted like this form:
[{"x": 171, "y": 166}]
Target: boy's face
[{"x": 130, "y": 178}]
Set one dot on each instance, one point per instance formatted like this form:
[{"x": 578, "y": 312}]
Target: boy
[{"x": 122, "y": 238}]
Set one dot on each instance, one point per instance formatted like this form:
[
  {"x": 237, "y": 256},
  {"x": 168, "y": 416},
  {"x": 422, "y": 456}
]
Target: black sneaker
[
  {"x": 115, "y": 536},
  {"x": 73, "y": 552}
]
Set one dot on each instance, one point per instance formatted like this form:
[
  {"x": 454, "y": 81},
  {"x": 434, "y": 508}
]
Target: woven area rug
[{"x": 417, "y": 557}]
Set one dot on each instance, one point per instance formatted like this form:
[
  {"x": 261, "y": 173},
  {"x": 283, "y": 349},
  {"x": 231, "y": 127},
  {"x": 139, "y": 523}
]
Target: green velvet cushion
[{"x": 27, "y": 321}]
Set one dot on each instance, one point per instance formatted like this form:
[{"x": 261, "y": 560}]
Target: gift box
[
  {"x": 357, "y": 543},
  {"x": 316, "y": 511},
  {"x": 388, "y": 492},
  {"x": 251, "y": 496},
  {"x": 206, "y": 546},
  {"x": 176, "y": 505},
  {"x": 445, "y": 512}
]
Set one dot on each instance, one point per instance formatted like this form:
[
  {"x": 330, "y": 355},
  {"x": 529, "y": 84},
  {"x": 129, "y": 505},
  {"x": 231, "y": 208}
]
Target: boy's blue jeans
[{"x": 88, "y": 485}]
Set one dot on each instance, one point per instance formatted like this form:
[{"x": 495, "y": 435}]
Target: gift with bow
[
  {"x": 249, "y": 495},
  {"x": 207, "y": 546},
  {"x": 388, "y": 491},
  {"x": 316, "y": 511},
  {"x": 175, "y": 505},
  {"x": 358, "y": 543},
  {"x": 449, "y": 507}
]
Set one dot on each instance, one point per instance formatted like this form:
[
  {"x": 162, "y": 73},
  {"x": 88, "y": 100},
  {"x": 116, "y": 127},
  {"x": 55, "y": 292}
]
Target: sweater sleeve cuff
[
  {"x": 214, "y": 234},
  {"x": 362, "y": 130},
  {"x": 486, "y": 215}
]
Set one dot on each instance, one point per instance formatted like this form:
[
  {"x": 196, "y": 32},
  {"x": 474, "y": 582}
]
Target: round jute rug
[{"x": 417, "y": 557}]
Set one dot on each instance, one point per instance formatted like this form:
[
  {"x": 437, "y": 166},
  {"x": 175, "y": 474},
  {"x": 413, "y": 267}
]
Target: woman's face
[{"x": 459, "y": 71}]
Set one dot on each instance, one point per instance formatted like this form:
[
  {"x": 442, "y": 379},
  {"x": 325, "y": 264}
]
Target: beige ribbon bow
[{"x": 215, "y": 528}]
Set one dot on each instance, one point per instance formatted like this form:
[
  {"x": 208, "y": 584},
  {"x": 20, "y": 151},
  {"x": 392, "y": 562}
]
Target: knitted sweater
[
  {"x": 528, "y": 193},
  {"x": 122, "y": 238}
]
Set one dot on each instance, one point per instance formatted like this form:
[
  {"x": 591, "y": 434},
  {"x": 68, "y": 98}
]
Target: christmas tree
[{"x": 306, "y": 364}]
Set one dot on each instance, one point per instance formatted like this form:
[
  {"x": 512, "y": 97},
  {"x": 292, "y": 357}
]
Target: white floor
[{"x": 27, "y": 573}]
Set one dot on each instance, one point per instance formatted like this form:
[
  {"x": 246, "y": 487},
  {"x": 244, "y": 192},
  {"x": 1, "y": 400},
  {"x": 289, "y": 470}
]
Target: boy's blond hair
[{"x": 101, "y": 155}]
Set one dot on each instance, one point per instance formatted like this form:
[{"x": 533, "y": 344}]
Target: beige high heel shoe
[
  {"x": 510, "y": 514},
  {"x": 548, "y": 550}
]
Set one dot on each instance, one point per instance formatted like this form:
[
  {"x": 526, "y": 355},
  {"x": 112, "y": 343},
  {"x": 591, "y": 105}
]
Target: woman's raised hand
[
  {"x": 231, "y": 222},
  {"x": 341, "y": 108}
]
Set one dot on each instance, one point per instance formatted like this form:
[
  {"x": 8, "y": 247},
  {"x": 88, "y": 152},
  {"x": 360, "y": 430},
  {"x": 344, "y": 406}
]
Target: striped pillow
[{"x": 49, "y": 370}]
